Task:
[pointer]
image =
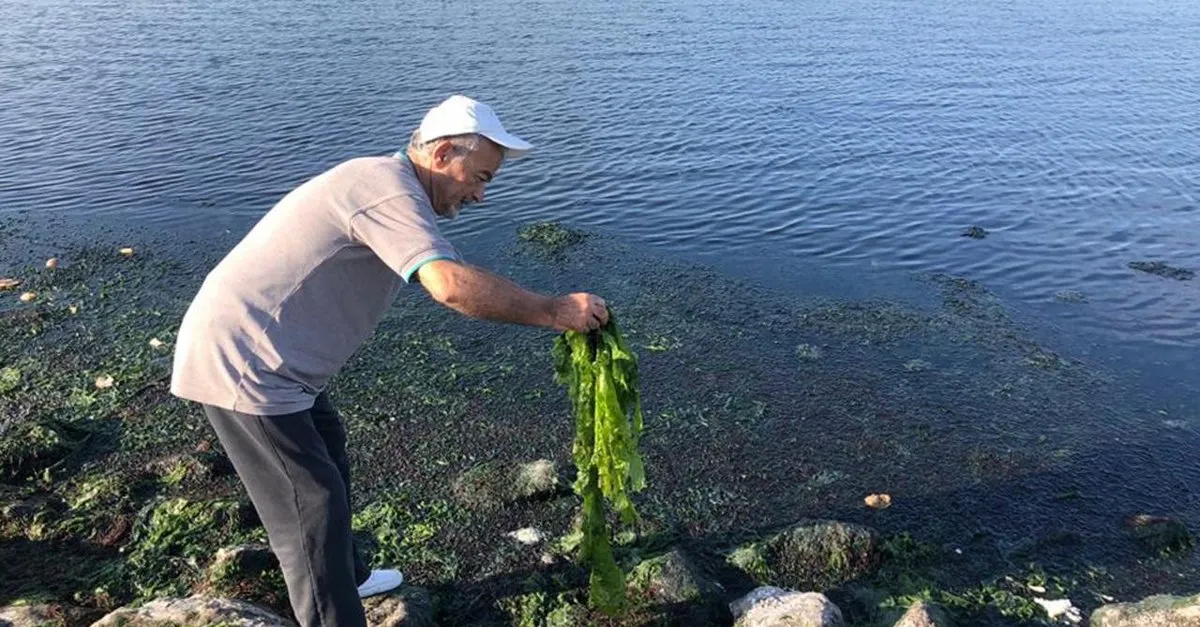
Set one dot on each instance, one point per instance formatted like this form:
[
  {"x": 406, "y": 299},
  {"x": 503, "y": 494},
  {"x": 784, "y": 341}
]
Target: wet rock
[
  {"x": 922, "y": 614},
  {"x": 772, "y": 607},
  {"x": 1161, "y": 534},
  {"x": 975, "y": 232},
  {"x": 489, "y": 485},
  {"x": 539, "y": 478},
  {"x": 528, "y": 536},
  {"x": 37, "y": 615},
  {"x": 194, "y": 610},
  {"x": 818, "y": 554},
  {"x": 243, "y": 561},
  {"x": 1156, "y": 611},
  {"x": 673, "y": 580},
  {"x": 406, "y": 606},
  {"x": 1160, "y": 268}
]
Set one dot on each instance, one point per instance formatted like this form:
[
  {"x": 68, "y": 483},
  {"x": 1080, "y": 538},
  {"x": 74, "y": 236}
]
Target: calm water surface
[{"x": 821, "y": 146}]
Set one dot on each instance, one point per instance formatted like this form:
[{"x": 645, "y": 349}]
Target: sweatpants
[{"x": 295, "y": 469}]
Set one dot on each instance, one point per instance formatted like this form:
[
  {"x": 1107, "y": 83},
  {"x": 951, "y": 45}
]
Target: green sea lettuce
[{"x": 601, "y": 377}]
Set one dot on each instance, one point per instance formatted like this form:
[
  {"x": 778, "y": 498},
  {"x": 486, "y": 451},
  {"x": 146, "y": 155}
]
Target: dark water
[{"x": 827, "y": 147}]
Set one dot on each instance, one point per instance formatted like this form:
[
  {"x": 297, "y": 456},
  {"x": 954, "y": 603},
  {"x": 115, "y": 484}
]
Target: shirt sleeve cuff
[{"x": 412, "y": 268}]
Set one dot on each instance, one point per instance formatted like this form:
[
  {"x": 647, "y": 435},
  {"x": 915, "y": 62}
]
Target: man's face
[{"x": 460, "y": 179}]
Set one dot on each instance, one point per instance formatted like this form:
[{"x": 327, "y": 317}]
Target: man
[{"x": 287, "y": 307}]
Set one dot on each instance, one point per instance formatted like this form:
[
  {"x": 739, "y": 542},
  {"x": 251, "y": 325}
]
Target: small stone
[
  {"x": 975, "y": 232},
  {"x": 156, "y": 343},
  {"x": 1060, "y": 607},
  {"x": 74, "y": 309},
  {"x": 536, "y": 479},
  {"x": 52, "y": 263},
  {"x": 28, "y": 297},
  {"x": 527, "y": 536},
  {"x": 8, "y": 284},
  {"x": 773, "y": 607},
  {"x": 128, "y": 252},
  {"x": 879, "y": 501},
  {"x": 103, "y": 382}
]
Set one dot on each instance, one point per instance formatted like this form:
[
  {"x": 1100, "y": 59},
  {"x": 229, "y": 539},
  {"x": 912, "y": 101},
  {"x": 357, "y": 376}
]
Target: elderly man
[{"x": 285, "y": 309}]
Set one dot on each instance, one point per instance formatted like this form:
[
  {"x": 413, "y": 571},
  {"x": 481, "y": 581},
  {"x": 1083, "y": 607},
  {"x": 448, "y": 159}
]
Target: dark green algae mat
[{"x": 1006, "y": 462}]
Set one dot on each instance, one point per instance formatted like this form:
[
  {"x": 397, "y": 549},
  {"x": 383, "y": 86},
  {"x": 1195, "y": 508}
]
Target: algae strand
[{"x": 601, "y": 377}]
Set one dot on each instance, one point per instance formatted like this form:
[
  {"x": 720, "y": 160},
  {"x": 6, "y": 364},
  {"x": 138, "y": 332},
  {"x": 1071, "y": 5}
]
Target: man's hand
[{"x": 579, "y": 312}]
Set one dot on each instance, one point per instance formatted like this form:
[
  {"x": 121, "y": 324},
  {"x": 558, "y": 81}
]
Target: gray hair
[{"x": 460, "y": 145}]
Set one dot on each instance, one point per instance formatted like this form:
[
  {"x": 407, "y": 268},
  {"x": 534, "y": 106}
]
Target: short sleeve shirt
[{"x": 289, "y": 305}]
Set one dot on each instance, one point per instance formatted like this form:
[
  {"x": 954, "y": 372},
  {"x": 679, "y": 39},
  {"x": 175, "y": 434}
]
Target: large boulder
[
  {"x": 37, "y": 615},
  {"x": 192, "y": 611},
  {"x": 772, "y": 607},
  {"x": 922, "y": 614},
  {"x": 1157, "y": 611},
  {"x": 813, "y": 554},
  {"x": 490, "y": 484},
  {"x": 673, "y": 580},
  {"x": 406, "y": 606}
]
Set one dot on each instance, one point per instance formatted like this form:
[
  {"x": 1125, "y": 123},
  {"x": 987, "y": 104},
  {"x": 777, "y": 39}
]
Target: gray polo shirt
[{"x": 291, "y": 303}]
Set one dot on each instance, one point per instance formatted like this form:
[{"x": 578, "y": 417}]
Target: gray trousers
[{"x": 295, "y": 469}]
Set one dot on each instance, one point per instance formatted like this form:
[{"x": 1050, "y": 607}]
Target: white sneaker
[{"x": 380, "y": 581}]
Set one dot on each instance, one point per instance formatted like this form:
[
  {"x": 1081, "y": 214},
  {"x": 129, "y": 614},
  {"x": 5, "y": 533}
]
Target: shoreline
[{"x": 762, "y": 410}]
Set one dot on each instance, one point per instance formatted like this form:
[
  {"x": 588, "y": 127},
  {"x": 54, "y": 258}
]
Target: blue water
[{"x": 783, "y": 140}]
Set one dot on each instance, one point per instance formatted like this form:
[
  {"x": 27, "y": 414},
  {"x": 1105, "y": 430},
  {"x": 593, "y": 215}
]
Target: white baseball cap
[{"x": 459, "y": 115}]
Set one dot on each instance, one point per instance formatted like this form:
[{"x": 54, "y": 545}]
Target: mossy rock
[
  {"x": 673, "y": 581},
  {"x": 490, "y": 485},
  {"x": 406, "y": 606},
  {"x": 1156, "y": 611},
  {"x": 194, "y": 610},
  {"x": 1162, "y": 535},
  {"x": 811, "y": 555}
]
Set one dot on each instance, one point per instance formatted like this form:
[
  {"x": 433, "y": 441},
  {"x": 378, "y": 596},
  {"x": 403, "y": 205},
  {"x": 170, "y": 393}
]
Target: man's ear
[{"x": 443, "y": 153}]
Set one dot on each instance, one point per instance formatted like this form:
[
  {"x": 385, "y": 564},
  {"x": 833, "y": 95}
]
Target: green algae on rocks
[{"x": 601, "y": 376}]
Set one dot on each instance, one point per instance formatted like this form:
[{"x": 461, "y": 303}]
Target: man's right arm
[{"x": 480, "y": 294}]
